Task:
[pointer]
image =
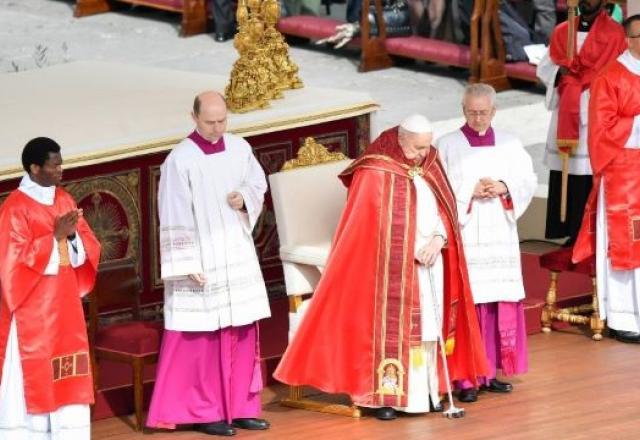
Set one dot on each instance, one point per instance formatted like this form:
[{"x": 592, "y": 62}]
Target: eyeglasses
[
  {"x": 474, "y": 113},
  {"x": 633, "y": 36}
]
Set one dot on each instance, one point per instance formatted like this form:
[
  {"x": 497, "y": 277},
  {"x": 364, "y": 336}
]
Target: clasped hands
[
  {"x": 487, "y": 188},
  {"x": 428, "y": 254},
  {"x": 65, "y": 225},
  {"x": 235, "y": 200}
]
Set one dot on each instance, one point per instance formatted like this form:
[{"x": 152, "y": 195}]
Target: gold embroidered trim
[{"x": 70, "y": 365}]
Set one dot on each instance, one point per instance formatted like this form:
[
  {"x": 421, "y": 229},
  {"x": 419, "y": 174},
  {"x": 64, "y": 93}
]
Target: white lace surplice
[
  {"x": 489, "y": 231},
  {"x": 201, "y": 233}
]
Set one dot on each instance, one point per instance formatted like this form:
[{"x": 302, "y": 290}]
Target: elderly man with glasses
[{"x": 493, "y": 181}]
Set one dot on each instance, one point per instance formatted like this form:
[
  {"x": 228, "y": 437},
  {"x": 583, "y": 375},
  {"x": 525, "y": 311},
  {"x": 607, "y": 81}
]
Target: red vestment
[
  {"x": 365, "y": 312},
  {"x": 615, "y": 101},
  {"x": 605, "y": 41},
  {"x": 52, "y": 333}
]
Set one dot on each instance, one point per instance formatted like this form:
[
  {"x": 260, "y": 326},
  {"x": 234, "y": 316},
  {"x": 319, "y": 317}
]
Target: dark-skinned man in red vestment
[
  {"x": 611, "y": 226},
  {"x": 396, "y": 269},
  {"x": 48, "y": 261}
]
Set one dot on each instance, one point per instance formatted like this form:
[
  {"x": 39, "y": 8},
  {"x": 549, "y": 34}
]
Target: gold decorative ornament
[
  {"x": 104, "y": 218},
  {"x": 391, "y": 378},
  {"x": 106, "y": 225},
  {"x": 312, "y": 153},
  {"x": 264, "y": 68},
  {"x": 415, "y": 171},
  {"x": 286, "y": 71}
]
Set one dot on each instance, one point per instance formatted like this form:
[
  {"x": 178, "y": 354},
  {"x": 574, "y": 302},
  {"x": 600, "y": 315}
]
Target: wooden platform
[{"x": 576, "y": 389}]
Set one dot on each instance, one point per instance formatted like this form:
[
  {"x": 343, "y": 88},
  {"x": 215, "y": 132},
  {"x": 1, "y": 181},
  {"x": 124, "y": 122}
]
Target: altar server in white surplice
[
  {"x": 210, "y": 196},
  {"x": 493, "y": 180}
]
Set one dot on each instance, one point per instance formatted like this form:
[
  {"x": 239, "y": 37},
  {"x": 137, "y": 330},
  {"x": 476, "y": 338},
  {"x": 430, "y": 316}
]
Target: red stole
[
  {"x": 605, "y": 41},
  {"x": 615, "y": 101},
  {"x": 365, "y": 314},
  {"x": 52, "y": 333}
]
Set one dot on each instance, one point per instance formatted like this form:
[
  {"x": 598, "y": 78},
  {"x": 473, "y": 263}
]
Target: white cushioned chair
[
  {"x": 308, "y": 202},
  {"x": 308, "y": 199}
]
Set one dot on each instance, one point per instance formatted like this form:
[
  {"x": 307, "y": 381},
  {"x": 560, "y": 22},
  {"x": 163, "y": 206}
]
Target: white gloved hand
[{"x": 344, "y": 34}]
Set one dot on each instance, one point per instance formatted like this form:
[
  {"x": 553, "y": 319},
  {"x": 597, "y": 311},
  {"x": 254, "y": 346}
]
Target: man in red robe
[
  {"x": 48, "y": 261},
  {"x": 365, "y": 331},
  {"x": 611, "y": 227},
  {"x": 598, "y": 40}
]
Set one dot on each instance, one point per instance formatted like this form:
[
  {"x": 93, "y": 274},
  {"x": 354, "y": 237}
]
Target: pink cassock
[
  {"x": 206, "y": 377},
  {"x": 504, "y": 335}
]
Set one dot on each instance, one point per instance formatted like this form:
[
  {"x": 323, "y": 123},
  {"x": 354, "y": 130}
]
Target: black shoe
[
  {"x": 468, "y": 395},
  {"x": 435, "y": 408},
  {"x": 217, "y": 428},
  {"x": 626, "y": 336},
  {"x": 386, "y": 413},
  {"x": 496, "y": 386},
  {"x": 251, "y": 424}
]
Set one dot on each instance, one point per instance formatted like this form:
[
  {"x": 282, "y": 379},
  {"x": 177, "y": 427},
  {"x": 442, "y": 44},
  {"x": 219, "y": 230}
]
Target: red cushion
[
  {"x": 521, "y": 70},
  {"x": 169, "y": 4},
  {"x": 558, "y": 260},
  {"x": 429, "y": 49},
  {"x": 133, "y": 337},
  {"x": 308, "y": 26},
  {"x": 587, "y": 267}
]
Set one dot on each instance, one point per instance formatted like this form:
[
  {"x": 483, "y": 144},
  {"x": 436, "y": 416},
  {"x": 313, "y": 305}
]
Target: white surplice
[
  {"x": 201, "y": 233},
  {"x": 69, "y": 422},
  {"x": 489, "y": 231},
  {"x": 618, "y": 290},
  {"x": 579, "y": 163}
]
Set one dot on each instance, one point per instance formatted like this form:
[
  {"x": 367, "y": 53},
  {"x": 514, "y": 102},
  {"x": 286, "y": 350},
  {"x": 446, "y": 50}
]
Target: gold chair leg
[
  {"x": 550, "y": 306},
  {"x": 597, "y": 324},
  {"x": 295, "y": 301},
  {"x": 323, "y": 407},
  {"x": 295, "y": 393}
]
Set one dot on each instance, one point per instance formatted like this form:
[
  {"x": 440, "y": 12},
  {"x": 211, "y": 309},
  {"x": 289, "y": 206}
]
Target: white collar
[
  {"x": 41, "y": 194},
  {"x": 630, "y": 62}
]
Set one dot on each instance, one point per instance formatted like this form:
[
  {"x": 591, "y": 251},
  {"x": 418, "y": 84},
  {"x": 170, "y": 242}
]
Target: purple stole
[{"x": 207, "y": 146}]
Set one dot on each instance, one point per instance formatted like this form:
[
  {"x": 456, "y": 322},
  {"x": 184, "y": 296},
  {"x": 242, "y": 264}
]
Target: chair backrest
[
  {"x": 308, "y": 202},
  {"x": 118, "y": 285}
]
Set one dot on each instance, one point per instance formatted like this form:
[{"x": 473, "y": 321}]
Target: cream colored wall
[{"x": 531, "y": 224}]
